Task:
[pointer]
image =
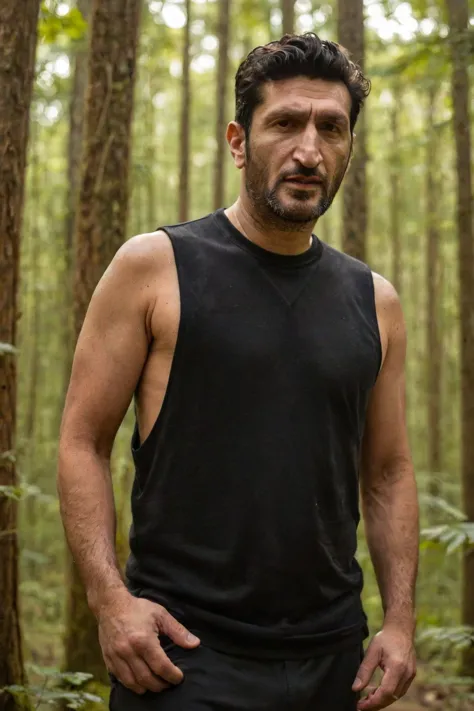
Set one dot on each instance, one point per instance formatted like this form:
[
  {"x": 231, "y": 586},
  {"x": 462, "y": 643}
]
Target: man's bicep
[
  {"x": 109, "y": 358},
  {"x": 385, "y": 439}
]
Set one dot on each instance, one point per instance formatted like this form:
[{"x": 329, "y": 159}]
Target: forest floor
[
  {"x": 425, "y": 696},
  {"x": 428, "y": 693}
]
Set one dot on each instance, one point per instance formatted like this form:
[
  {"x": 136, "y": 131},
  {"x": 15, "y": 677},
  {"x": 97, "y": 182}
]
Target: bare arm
[
  {"x": 109, "y": 359},
  {"x": 390, "y": 509},
  {"x": 388, "y": 487}
]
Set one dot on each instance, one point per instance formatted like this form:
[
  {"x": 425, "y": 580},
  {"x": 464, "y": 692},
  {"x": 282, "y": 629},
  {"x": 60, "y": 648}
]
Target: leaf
[
  {"x": 457, "y": 637},
  {"x": 21, "y": 491},
  {"x": 11, "y": 492},
  {"x": 8, "y": 456},
  {"x": 75, "y": 678},
  {"x": 456, "y": 542},
  {"x": 71, "y": 25},
  {"x": 442, "y": 505},
  {"x": 8, "y": 349},
  {"x": 453, "y": 536}
]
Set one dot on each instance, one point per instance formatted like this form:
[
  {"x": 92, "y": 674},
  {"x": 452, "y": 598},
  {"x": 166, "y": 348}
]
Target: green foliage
[
  {"x": 456, "y": 637},
  {"x": 54, "y": 687},
  {"x": 452, "y": 536},
  {"x": 53, "y": 27},
  {"x": 22, "y": 491}
]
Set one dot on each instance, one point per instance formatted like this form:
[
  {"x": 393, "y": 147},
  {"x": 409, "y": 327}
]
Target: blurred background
[{"x": 406, "y": 210}]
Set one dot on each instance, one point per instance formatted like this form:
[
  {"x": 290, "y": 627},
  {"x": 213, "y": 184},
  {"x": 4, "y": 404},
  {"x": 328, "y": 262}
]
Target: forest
[{"x": 112, "y": 122}]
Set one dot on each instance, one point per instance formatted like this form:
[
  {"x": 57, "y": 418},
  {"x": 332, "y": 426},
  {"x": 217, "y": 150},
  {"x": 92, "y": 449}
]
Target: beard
[{"x": 302, "y": 208}]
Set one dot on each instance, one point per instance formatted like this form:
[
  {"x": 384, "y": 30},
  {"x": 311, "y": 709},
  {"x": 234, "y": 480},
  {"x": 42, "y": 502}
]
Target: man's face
[{"x": 299, "y": 148}]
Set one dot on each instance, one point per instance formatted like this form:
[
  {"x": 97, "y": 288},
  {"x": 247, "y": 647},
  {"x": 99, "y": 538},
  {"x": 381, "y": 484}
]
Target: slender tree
[
  {"x": 74, "y": 152},
  {"x": 185, "y": 121},
  {"x": 354, "y": 223},
  {"x": 288, "y": 16},
  {"x": 101, "y": 226},
  {"x": 149, "y": 120},
  {"x": 17, "y": 63},
  {"x": 221, "y": 102},
  {"x": 433, "y": 274},
  {"x": 395, "y": 170},
  {"x": 458, "y": 13}
]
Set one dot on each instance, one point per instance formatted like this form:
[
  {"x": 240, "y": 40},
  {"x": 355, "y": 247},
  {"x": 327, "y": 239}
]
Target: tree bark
[
  {"x": 17, "y": 64},
  {"x": 33, "y": 328},
  {"x": 101, "y": 226},
  {"x": 74, "y": 150},
  {"x": 354, "y": 223},
  {"x": 152, "y": 197},
  {"x": 185, "y": 122},
  {"x": 221, "y": 103},
  {"x": 433, "y": 275},
  {"x": 288, "y": 16},
  {"x": 459, "y": 40}
]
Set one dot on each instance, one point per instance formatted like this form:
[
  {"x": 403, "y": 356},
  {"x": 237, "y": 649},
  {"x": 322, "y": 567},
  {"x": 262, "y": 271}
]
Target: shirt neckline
[{"x": 310, "y": 255}]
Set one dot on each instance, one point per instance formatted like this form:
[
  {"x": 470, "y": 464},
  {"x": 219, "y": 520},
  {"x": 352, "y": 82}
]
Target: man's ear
[
  {"x": 351, "y": 154},
  {"x": 235, "y": 135}
]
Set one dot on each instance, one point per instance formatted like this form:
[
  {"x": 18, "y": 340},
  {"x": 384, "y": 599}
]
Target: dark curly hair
[{"x": 292, "y": 56}]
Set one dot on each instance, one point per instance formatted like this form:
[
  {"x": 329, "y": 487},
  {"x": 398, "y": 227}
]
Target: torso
[{"x": 163, "y": 324}]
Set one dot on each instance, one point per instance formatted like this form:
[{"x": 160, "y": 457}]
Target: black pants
[{"x": 214, "y": 681}]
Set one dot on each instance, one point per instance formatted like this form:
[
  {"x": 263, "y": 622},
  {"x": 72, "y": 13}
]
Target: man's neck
[{"x": 269, "y": 237}]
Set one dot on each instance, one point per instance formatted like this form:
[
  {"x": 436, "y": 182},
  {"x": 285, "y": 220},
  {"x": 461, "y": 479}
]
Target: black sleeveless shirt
[{"x": 245, "y": 502}]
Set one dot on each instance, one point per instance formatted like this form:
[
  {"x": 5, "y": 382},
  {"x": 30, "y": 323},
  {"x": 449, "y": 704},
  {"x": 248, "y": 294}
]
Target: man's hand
[
  {"x": 129, "y": 629},
  {"x": 392, "y": 650}
]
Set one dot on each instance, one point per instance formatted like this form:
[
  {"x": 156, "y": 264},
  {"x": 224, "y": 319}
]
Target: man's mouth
[{"x": 302, "y": 180}]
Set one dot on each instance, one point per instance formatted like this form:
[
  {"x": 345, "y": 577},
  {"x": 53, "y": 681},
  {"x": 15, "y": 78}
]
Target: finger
[
  {"x": 386, "y": 694},
  {"x": 367, "y": 668},
  {"x": 176, "y": 631},
  {"x": 161, "y": 665},
  {"x": 124, "y": 674},
  {"x": 145, "y": 677},
  {"x": 405, "y": 684}
]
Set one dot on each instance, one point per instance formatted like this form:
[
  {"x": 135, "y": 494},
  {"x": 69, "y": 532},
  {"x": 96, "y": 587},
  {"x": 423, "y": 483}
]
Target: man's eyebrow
[
  {"x": 325, "y": 114},
  {"x": 287, "y": 111},
  {"x": 334, "y": 116}
]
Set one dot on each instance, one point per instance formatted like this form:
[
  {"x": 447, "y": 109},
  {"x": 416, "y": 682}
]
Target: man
[{"x": 266, "y": 366}]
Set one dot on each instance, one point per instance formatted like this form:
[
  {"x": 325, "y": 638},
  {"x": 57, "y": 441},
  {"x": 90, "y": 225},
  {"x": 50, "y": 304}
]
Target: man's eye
[
  {"x": 284, "y": 123},
  {"x": 330, "y": 127}
]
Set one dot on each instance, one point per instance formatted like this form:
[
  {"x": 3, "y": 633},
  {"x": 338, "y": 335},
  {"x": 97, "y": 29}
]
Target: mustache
[{"x": 304, "y": 172}]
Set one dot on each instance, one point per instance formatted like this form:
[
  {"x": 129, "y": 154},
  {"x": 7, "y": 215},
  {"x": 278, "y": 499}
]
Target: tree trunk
[
  {"x": 459, "y": 40},
  {"x": 185, "y": 122},
  {"x": 354, "y": 223},
  {"x": 221, "y": 103},
  {"x": 17, "y": 64},
  {"x": 149, "y": 122},
  {"x": 101, "y": 226},
  {"x": 433, "y": 345},
  {"x": 76, "y": 120},
  {"x": 33, "y": 328},
  {"x": 288, "y": 16},
  {"x": 395, "y": 193}
]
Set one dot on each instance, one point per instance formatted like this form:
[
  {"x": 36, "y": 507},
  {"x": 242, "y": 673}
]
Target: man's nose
[{"x": 308, "y": 149}]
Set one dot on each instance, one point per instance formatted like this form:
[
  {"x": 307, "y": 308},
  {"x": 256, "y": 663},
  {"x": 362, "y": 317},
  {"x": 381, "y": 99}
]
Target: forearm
[
  {"x": 88, "y": 515},
  {"x": 392, "y": 530}
]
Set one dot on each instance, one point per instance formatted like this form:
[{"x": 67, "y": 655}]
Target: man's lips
[{"x": 303, "y": 181}]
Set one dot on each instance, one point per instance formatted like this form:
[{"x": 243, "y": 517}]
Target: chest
[{"x": 305, "y": 328}]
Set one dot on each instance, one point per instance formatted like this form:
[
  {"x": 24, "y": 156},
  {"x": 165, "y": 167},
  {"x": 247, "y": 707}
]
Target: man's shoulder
[
  {"x": 386, "y": 296},
  {"x": 143, "y": 254}
]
